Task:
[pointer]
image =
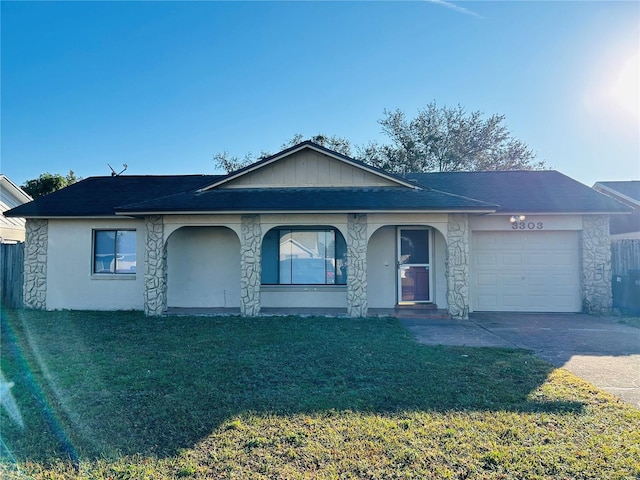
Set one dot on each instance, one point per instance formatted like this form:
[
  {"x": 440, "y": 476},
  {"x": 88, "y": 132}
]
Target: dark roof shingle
[
  {"x": 508, "y": 192},
  {"x": 98, "y": 196},
  {"x": 523, "y": 191}
]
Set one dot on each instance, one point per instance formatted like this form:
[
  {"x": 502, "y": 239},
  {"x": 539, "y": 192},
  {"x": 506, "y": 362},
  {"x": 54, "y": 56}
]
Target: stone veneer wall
[
  {"x": 250, "y": 265},
  {"x": 596, "y": 264},
  {"x": 35, "y": 264},
  {"x": 357, "y": 305},
  {"x": 155, "y": 259},
  {"x": 458, "y": 265}
]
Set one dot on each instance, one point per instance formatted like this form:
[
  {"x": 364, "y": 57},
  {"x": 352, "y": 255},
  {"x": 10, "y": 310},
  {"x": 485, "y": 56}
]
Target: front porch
[
  {"x": 223, "y": 272},
  {"x": 415, "y": 312}
]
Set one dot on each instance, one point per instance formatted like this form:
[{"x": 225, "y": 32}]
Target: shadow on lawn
[{"x": 120, "y": 383}]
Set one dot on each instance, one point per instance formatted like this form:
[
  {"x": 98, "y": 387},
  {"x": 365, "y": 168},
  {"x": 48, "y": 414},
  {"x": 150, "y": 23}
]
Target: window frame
[
  {"x": 292, "y": 229},
  {"x": 112, "y": 274}
]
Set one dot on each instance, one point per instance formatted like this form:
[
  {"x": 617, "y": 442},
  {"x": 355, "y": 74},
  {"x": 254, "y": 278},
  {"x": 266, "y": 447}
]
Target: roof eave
[
  {"x": 329, "y": 211},
  {"x": 564, "y": 212}
]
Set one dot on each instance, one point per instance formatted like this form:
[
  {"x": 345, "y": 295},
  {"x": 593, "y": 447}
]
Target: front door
[{"x": 414, "y": 260}]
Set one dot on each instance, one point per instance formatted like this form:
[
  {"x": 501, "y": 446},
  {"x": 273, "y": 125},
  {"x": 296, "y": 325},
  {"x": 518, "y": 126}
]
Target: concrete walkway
[{"x": 600, "y": 350}]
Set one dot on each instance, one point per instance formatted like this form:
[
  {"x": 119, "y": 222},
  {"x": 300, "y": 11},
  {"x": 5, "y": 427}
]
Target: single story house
[
  {"x": 623, "y": 227},
  {"x": 12, "y": 230},
  {"x": 312, "y": 228}
]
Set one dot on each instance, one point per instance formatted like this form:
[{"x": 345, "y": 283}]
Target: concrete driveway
[{"x": 598, "y": 349}]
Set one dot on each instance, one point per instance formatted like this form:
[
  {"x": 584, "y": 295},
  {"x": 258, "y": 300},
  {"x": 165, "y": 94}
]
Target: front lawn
[{"x": 118, "y": 395}]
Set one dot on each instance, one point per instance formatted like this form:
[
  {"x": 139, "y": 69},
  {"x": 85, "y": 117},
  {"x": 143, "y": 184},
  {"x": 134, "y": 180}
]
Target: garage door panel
[
  {"x": 488, "y": 279},
  {"x": 525, "y": 271},
  {"x": 510, "y": 279},
  {"x": 537, "y": 259},
  {"x": 487, "y": 302},
  {"x": 511, "y": 259},
  {"x": 564, "y": 259},
  {"x": 512, "y": 301}
]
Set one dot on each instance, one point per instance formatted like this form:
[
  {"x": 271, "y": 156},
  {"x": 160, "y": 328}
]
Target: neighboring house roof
[
  {"x": 482, "y": 192},
  {"x": 11, "y": 196},
  {"x": 627, "y": 192},
  {"x": 523, "y": 191}
]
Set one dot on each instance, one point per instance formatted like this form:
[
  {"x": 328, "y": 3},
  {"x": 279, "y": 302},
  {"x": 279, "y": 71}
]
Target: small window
[
  {"x": 114, "y": 251},
  {"x": 304, "y": 256}
]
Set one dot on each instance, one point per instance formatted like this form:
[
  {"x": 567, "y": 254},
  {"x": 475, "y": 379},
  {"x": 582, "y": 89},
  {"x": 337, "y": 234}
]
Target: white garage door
[{"x": 525, "y": 272}]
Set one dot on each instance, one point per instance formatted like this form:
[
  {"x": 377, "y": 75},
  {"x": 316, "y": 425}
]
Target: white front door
[{"x": 414, "y": 261}]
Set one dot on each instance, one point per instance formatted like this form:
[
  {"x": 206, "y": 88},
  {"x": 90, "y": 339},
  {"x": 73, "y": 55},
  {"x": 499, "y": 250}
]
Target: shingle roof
[
  {"x": 308, "y": 199},
  {"x": 630, "y": 188},
  {"x": 523, "y": 191},
  {"x": 508, "y": 192},
  {"x": 98, "y": 196}
]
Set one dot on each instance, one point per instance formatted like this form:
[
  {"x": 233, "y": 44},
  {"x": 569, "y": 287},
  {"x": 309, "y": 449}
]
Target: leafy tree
[
  {"x": 446, "y": 139},
  {"x": 438, "y": 139},
  {"x": 47, "y": 183},
  {"x": 232, "y": 163}
]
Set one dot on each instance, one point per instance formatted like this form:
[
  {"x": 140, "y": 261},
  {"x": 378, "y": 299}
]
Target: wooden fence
[
  {"x": 625, "y": 266},
  {"x": 11, "y": 274},
  {"x": 625, "y": 256}
]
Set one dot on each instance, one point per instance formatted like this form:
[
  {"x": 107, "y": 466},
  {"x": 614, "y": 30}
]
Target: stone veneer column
[
  {"x": 458, "y": 265},
  {"x": 357, "y": 304},
  {"x": 155, "y": 260},
  {"x": 250, "y": 265},
  {"x": 35, "y": 264},
  {"x": 596, "y": 264}
]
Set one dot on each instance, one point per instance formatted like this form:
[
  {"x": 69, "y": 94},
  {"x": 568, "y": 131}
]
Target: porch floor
[{"x": 416, "y": 312}]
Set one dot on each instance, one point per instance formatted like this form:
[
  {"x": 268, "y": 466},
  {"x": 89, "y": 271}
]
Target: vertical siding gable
[{"x": 309, "y": 168}]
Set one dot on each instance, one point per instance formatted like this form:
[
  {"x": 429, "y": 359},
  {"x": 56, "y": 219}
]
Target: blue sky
[{"x": 162, "y": 86}]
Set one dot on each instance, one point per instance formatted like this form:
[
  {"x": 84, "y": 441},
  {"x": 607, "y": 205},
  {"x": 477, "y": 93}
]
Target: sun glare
[{"x": 625, "y": 86}]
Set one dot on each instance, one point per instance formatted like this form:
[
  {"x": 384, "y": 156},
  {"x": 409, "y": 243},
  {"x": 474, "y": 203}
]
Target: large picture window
[
  {"x": 304, "y": 257},
  {"x": 114, "y": 251}
]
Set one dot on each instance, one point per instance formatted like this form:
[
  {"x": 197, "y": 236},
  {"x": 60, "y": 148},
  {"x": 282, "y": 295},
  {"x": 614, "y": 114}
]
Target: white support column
[
  {"x": 458, "y": 265},
  {"x": 357, "y": 304},
  {"x": 155, "y": 259},
  {"x": 250, "y": 265}
]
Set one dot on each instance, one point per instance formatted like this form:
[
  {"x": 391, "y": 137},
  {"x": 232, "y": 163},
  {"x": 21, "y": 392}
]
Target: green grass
[{"x": 119, "y": 396}]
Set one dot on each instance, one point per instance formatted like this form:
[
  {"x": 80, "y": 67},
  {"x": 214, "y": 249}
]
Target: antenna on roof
[{"x": 113, "y": 172}]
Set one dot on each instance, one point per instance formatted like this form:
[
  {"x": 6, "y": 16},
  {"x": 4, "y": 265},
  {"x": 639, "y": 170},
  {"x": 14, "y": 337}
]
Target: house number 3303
[{"x": 527, "y": 226}]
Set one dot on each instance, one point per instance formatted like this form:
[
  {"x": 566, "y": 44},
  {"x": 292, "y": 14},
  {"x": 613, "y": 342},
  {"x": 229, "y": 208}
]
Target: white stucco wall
[
  {"x": 203, "y": 268},
  {"x": 70, "y": 282}
]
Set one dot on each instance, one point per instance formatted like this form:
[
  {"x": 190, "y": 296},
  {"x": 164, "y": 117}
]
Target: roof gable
[{"x": 308, "y": 165}]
